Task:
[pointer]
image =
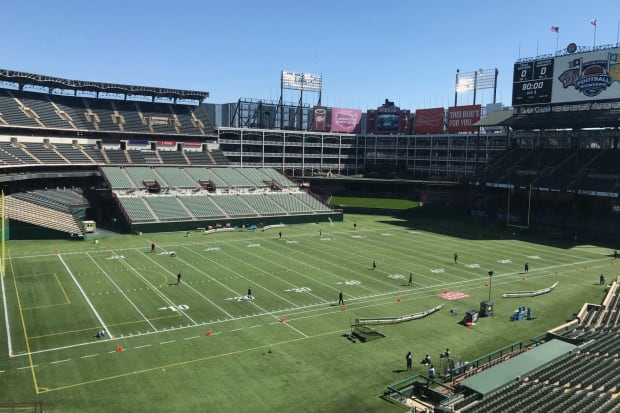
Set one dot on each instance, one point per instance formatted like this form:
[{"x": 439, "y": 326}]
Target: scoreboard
[{"x": 532, "y": 82}]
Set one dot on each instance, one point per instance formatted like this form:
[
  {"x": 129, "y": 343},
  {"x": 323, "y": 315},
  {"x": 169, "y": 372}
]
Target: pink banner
[
  {"x": 346, "y": 120},
  {"x": 166, "y": 143},
  {"x": 429, "y": 120},
  {"x": 192, "y": 144},
  {"x": 462, "y": 118}
]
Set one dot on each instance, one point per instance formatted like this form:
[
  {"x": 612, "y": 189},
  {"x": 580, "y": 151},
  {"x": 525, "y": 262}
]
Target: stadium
[{"x": 161, "y": 253}]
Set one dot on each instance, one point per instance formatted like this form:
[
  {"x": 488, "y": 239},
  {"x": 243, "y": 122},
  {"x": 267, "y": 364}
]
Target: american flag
[
  {"x": 593, "y": 22},
  {"x": 555, "y": 29}
]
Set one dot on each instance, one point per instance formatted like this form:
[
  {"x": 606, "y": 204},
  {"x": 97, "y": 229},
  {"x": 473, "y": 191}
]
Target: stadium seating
[
  {"x": 12, "y": 112},
  {"x": 175, "y": 177},
  {"x": 34, "y": 214},
  {"x": 168, "y": 208},
  {"x": 46, "y": 154},
  {"x": 137, "y": 210},
  {"x": 118, "y": 178},
  {"x": 202, "y": 207},
  {"x": 172, "y": 158},
  {"x": 73, "y": 154}
]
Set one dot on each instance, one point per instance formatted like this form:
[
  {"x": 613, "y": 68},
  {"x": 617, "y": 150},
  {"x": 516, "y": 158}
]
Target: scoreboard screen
[{"x": 532, "y": 82}]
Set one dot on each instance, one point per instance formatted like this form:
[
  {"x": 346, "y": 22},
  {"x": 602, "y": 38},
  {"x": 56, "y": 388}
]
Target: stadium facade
[{"x": 552, "y": 157}]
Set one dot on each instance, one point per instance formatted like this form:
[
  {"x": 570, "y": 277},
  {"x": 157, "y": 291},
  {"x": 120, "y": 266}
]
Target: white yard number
[{"x": 181, "y": 307}]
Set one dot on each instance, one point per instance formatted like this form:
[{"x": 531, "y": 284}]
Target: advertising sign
[
  {"x": 462, "y": 118},
  {"x": 320, "y": 119},
  {"x": 346, "y": 120},
  {"x": 587, "y": 76},
  {"x": 428, "y": 121}
]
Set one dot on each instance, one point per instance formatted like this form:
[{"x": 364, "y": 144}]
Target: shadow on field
[{"x": 467, "y": 227}]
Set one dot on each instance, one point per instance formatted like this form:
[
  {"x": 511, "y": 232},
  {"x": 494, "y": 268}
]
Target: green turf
[
  {"x": 283, "y": 351},
  {"x": 380, "y": 203}
]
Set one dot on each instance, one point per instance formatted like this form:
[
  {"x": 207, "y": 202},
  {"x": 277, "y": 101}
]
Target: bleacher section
[
  {"x": 44, "y": 153},
  {"x": 58, "y": 199},
  {"x": 182, "y": 195},
  {"x": 12, "y": 112},
  {"x": 175, "y": 177},
  {"x": 44, "y": 110},
  {"x": 47, "y": 217},
  {"x": 73, "y": 154},
  {"x": 557, "y": 169}
]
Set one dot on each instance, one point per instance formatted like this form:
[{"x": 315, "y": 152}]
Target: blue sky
[{"x": 366, "y": 51}]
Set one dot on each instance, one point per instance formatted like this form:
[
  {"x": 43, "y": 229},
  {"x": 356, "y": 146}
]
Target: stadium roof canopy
[
  {"x": 554, "y": 118},
  {"x": 565, "y": 120},
  {"x": 23, "y": 78},
  {"x": 496, "y": 377},
  {"x": 494, "y": 118}
]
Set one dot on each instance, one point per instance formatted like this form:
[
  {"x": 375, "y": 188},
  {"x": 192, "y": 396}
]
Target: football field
[{"x": 200, "y": 342}]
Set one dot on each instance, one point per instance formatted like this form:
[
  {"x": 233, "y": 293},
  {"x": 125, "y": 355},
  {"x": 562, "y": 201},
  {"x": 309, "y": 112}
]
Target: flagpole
[{"x": 557, "y": 39}]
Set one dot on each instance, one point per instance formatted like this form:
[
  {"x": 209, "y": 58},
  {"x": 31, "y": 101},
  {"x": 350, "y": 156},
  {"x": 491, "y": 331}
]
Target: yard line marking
[
  {"x": 92, "y": 307},
  {"x": 191, "y": 338},
  {"x": 278, "y": 278},
  {"x": 192, "y": 288},
  {"x": 28, "y": 367},
  {"x": 188, "y": 362},
  {"x": 121, "y": 291},
  {"x": 154, "y": 288},
  {"x": 89, "y": 356},
  {"x": 6, "y": 316},
  {"x": 23, "y": 321},
  {"x": 146, "y": 345},
  {"x": 308, "y": 309},
  {"x": 258, "y": 284},
  {"x": 320, "y": 253},
  {"x": 168, "y": 342},
  {"x": 60, "y": 361}
]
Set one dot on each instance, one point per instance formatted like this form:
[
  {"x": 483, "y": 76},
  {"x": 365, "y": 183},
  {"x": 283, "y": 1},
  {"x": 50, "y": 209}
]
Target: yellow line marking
[
  {"x": 23, "y": 321},
  {"x": 184, "y": 363},
  {"x": 62, "y": 289}
]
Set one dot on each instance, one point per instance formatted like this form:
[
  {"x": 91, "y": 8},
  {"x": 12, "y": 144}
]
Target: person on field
[
  {"x": 409, "y": 358},
  {"x": 410, "y": 283},
  {"x": 152, "y": 246},
  {"x": 100, "y": 334},
  {"x": 340, "y": 298},
  {"x": 178, "y": 278}
]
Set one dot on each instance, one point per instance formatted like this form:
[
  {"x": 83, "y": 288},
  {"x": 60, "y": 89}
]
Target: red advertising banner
[
  {"x": 166, "y": 143},
  {"x": 429, "y": 121},
  {"x": 346, "y": 120},
  {"x": 192, "y": 144},
  {"x": 320, "y": 119},
  {"x": 462, "y": 118}
]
